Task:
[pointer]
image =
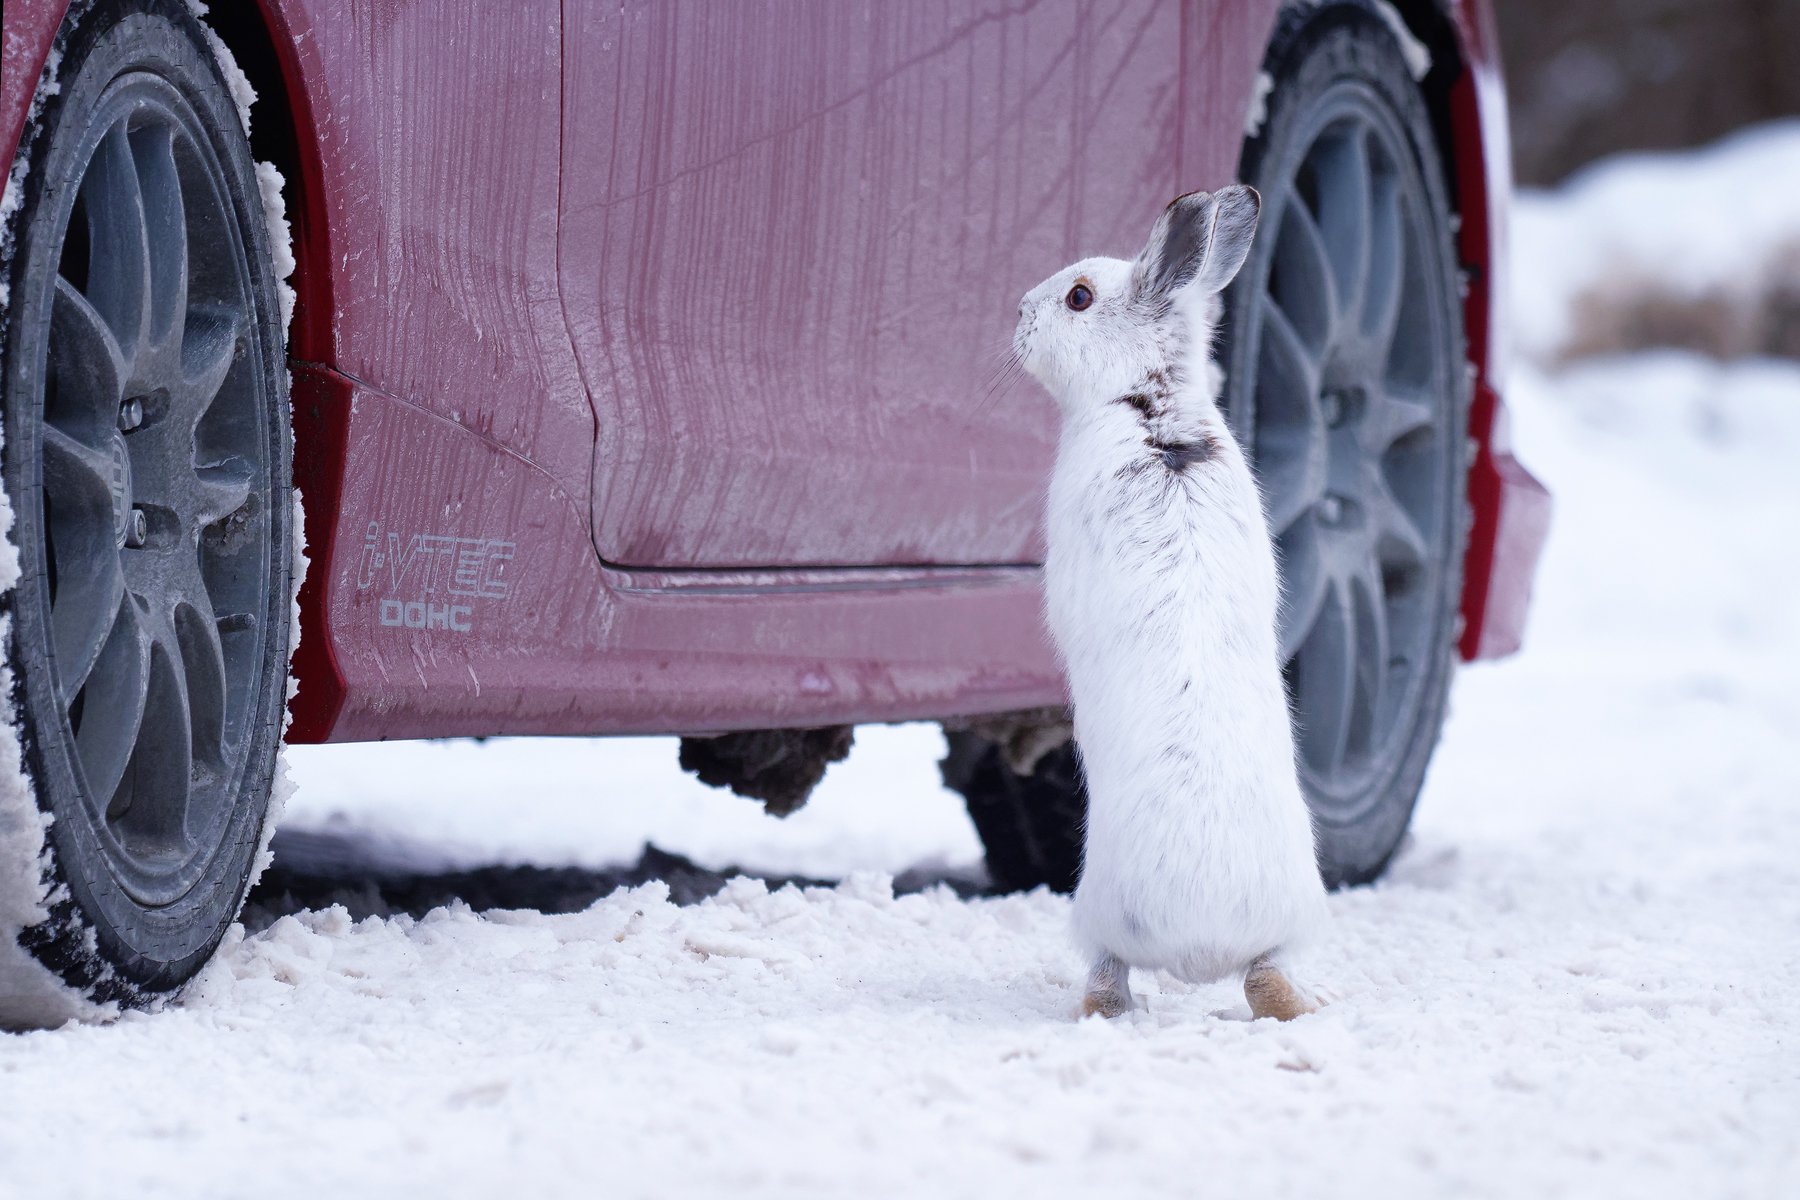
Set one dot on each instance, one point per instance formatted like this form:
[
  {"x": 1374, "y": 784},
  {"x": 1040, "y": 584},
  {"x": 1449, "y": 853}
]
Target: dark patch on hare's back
[
  {"x": 1141, "y": 402},
  {"x": 1179, "y": 456}
]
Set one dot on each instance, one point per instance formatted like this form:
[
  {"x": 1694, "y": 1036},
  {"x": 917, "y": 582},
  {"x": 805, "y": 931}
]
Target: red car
[{"x": 637, "y": 366}]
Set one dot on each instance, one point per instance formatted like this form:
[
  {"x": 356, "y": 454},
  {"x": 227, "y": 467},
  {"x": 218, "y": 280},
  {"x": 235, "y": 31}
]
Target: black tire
[
  {"x": 1363, "y": 801},
  {"x": 1356, "y": 416},
  {"x": 147, "y": 461},
  {"x": 1030, "y": 825}
]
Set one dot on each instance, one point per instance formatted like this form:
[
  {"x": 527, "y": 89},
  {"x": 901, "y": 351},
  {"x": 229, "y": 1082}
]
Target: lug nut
[
  {"x": 131, "y": 414},
  {"x": 137, "y": 530},
  {"x": 1340, "y": 404}
]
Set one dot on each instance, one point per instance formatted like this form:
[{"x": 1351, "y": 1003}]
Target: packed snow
[{"x": 1578, "y": 979}]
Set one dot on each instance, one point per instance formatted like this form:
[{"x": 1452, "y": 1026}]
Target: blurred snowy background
[
  {"x": 1578, "y": 979},
  {"x": 1588, "y": 78}
]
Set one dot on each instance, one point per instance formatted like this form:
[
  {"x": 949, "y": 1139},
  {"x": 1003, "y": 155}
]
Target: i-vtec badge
[{"x": 414, "y": 569}]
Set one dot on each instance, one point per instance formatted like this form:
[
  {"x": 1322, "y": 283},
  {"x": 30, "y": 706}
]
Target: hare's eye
[{"x": 1080, "y": 297}]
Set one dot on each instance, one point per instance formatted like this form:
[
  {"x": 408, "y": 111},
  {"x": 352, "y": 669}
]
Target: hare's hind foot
[
  {"x": 1108, "y": 989},
  {"x": 1272, "y": 994}
]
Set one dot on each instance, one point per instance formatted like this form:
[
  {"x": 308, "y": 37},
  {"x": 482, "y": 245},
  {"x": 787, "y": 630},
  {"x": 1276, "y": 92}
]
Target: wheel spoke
[
  {"x": 200, "y": 653},
  {"x": 151, "y": 814},
  {"x": 166, "y": 230},
  {"x": 223, "y": 489},
  {"x": 1326, "y": 692},
  {"x": 1395, "y": 414},
  {"x": 1300, "y": 278},
  {"x": 1387, "y": 258},
  {"x": 89, "y": 591},
  {"x": 207, "y": 354},
  {"x": 1290, "y": 368},
  {"x": 1304, "y": 586},
  {"x": 203, "y": 662},
  {"x": 1372, "y": 653},
  {"x": 1399, "y": 541},
  {"x": 118, "y": 240},
  {"x": 1345, "y": 215},
  {"x": 88, "y": 366},
  {"x": 89, "y": 582},
  {"x": 113, "y": 704},
  {"x": 1294, "y": 491},
  {"x": 78, "y": 478},
  {"x": 1290, "y": 434}
]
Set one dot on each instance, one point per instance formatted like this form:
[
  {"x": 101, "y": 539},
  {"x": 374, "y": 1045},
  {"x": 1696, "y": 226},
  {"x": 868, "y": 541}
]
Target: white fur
[{"x": 1162, "y": 597}]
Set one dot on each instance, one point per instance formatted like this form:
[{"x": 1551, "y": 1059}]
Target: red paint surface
[
  {"x": 26, "y": 31},
  {"x": 713, "y": 297},
  {"x": 321, "y": 407},
  {"x": 570, "y": 646}
]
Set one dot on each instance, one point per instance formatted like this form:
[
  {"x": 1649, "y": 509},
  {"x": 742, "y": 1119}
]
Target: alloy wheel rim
[
  {"x": 1349, "y": 428},
  {"x": 155, "y": 489}
]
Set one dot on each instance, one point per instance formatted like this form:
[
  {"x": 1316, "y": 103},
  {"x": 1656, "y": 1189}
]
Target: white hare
[{"x": 1162, "y": 597}]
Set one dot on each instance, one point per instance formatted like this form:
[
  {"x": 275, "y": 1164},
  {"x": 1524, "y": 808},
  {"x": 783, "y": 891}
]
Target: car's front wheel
[{"x": 147, "y": 463}]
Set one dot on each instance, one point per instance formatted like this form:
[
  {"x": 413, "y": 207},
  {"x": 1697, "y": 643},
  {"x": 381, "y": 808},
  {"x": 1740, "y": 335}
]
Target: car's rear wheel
[
  {"x": 1346, "y": 379},
  {"x": 1029, "y": 824},
  {"x": 147, "y": 462}
]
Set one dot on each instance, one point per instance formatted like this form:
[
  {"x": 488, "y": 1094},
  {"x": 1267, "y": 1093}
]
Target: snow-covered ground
[
  {"x": 1707, "y": 235},
  {"x": 1581, "y": 978}
]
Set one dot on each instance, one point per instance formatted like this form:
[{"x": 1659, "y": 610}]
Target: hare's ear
[{"x": 1201, "y": 238}]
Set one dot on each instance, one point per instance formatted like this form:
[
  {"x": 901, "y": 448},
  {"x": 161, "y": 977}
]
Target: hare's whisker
[{"x": 1004, "y": 370}]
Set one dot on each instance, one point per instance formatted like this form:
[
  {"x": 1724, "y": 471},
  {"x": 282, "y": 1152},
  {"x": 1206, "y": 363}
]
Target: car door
[
  {"x": 794, "y": 235},
  {"x": 441, "y": 135}
]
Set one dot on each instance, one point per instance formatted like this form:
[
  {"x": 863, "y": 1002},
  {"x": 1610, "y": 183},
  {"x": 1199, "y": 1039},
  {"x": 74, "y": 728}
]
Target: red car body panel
[
  {"x": 794, "y": 239},
  {"x": 638, "y": 362}
]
